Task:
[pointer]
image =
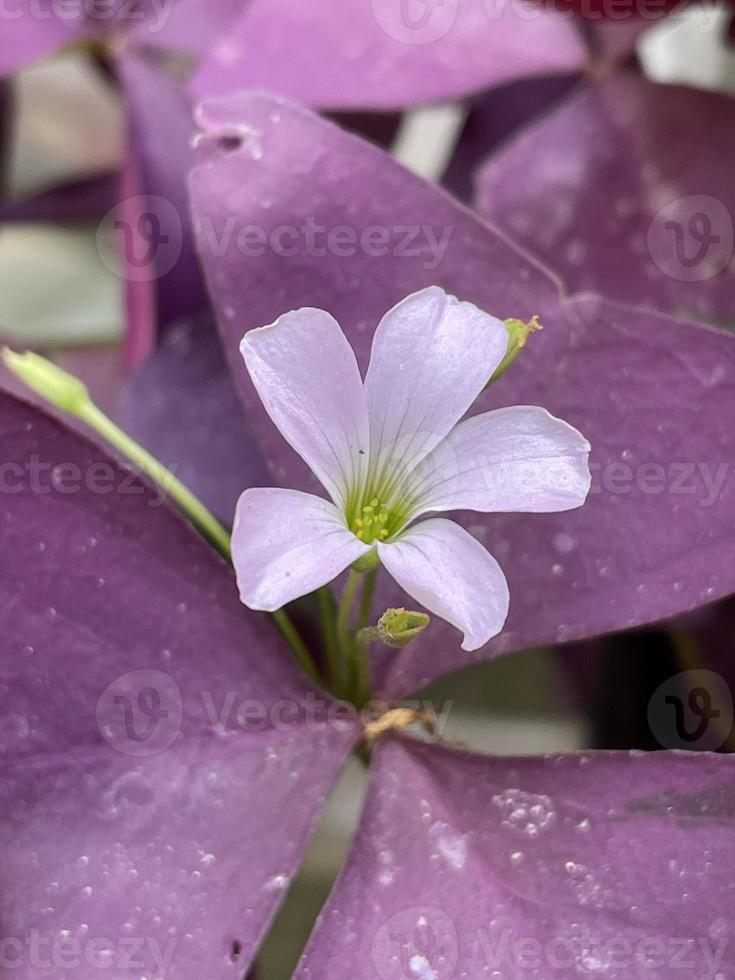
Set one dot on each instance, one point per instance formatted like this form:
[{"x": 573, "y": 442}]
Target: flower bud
[
  {"x": 46, "y": 379},
  {"x": 399, "y": 627},
  {"x": 518, "y": 334}
]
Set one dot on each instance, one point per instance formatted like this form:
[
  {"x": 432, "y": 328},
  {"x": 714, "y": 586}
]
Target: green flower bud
[
  {"x": 46, "y": 379},
  {"x": 518, "y": 334},
  {"x": 399, "y": 627}
]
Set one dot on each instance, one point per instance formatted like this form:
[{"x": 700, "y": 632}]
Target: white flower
[{"x": 392, "y": 449}]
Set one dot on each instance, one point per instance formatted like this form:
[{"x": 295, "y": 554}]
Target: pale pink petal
[
  {"x": 307, "y": 377},
  {"x": 518, "y": 459},
  {"x": 286, "y": 543},
  {"x": 431, "y": 357},
  {"x": 449, "y": 572}
]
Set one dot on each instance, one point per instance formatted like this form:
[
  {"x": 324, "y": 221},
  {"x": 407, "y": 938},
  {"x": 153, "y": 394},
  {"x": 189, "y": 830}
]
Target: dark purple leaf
[
  {"x": 135, "y": 821},
  {"x": 85, "y": 200},
  {"x": 612, "y": 41},
  {"x": 354, "y": 54},
  {"x": 182, "y": 406},
  {"x": 606, "y": 865},
  {"x": 621, "y": 192},
  {"x": 496, "y": 116},
  {"x": 7, "y": 111},
  {"x": 653, "y": 394}
]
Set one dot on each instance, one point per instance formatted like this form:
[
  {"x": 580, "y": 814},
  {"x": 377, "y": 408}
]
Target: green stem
[
  {"x": 366, "y": 599},
  {"x": 69, "y": 394},
  {"x": 325, "y": 599},
  {"x": 344, "y": 612},
  {"x": 198, "y": 514},
  {"x": 363, "y": 684},
  {"x": 291, "y": 635}
]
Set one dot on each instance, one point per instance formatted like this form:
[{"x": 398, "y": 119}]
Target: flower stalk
[{"x": 69, "y": 394}]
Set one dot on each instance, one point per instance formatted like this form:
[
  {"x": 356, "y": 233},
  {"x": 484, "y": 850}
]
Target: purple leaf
[
  {"x": 187, "y": 26},
  {"x": 182, "y": 406},
  {"x": 661, "y": 234},
  {"x": 7, "y": 111},
  {"x": 134, "y": 803},
  {"x": 610, "y": 865},
  {"x": 359, "y": 54},
  {"x": 497, "y": 115},
  {"x": 650, "y": 393},
  {"x": 84, "y": 200},
  {"x": 33, "y": 29},
  {"x": 102, "y": 371}
]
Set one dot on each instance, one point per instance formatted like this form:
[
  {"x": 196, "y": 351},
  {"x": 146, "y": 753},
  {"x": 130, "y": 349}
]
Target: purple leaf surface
[
  {"x": 652, "y": 394},
  {"x": 495, "y": 117},
  {"x": 102, "y": 371},
  {"x": 33, "y": 29},
  {"x": 187, "y": 27},
  {"x": 182, "y": 406},
  {"x": 360, "y": 54},
  {"x": 140, "y": 818},
  {"x": 607, "y": 865},
  {"x": 620, "y": 192}
]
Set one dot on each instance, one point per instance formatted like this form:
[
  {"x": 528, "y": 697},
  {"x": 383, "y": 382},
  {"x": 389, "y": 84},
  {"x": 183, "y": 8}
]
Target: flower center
[{"x": 371, "y": 524}]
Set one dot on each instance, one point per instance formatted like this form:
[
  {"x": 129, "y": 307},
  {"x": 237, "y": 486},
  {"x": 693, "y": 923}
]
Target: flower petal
[
  {"x": 308, "y": 380},
  {"x": 431, "y": 357},
  {"x": 445, "y": 569},
  {"x": 286, "y": 543},
  {"x": 518, "y": 459}
]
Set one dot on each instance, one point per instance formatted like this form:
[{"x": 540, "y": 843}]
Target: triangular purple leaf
[
  {"x": 378, "y": 54},
  {"x": 619, "y": 190},
  {"x": 609, "y": 865},
  {"x": 139, "y": 815}
]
